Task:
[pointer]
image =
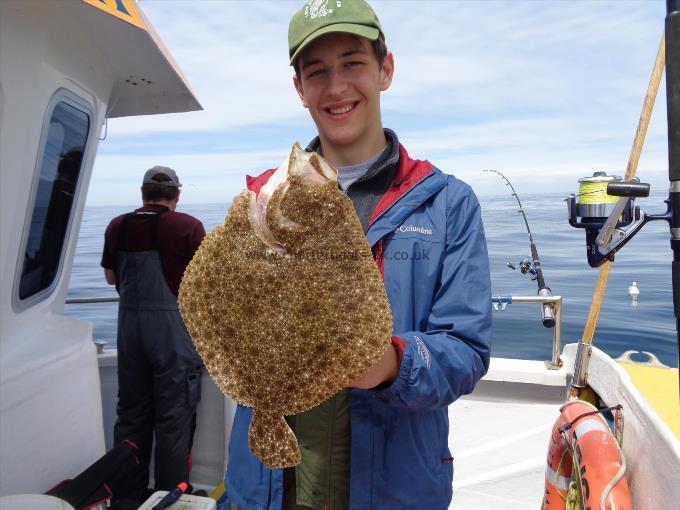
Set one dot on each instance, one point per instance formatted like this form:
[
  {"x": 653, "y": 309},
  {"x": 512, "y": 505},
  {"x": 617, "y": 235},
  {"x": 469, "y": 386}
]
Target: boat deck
[
  {"x": 659, "y": 385},
  {"x": 499, "y": 436}
]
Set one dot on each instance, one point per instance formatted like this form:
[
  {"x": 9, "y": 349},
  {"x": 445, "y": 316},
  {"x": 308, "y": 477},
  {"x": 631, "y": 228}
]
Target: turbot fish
[{"x": 284, "y": 301}]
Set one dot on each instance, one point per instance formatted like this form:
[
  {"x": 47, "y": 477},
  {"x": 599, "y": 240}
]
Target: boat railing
[
  {"x": 96, "y": 299},
  {"x": 498, "y": 302},
  {"x": 502, "y": 302}
]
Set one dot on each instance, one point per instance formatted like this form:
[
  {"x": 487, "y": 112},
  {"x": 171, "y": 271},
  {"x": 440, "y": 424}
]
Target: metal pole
[{"x": 673, "y": 110}]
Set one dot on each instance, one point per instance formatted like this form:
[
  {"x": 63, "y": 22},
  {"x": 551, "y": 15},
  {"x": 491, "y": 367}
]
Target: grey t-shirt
[{"x": 348, "y": 175}]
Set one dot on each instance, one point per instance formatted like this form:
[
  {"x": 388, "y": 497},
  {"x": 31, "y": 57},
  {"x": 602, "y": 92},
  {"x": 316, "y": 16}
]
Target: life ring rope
[{"x": 617, "y": 478}]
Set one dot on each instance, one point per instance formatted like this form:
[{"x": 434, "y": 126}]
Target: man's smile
[{"x": 341, "y": 110}]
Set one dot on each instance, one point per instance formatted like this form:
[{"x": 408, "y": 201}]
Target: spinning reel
[
  {"x": 605, "y": 208},
  {"x": 525, "y": 266}
]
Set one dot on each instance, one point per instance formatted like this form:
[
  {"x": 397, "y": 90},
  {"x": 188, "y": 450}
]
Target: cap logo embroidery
[{"x": 319, "y": 8}]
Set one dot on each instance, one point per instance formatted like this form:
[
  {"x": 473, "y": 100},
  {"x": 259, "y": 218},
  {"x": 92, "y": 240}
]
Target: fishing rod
[
  {"x": 533, "y": 267},
  {"x": 673, "y": 110},
  {"x": 605, "y": 206}
]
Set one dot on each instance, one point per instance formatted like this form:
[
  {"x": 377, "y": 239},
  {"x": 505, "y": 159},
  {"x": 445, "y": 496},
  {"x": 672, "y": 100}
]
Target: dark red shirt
[{"x": 179, "y": 236}]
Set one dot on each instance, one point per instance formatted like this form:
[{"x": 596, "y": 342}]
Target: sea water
[{"x": 623, "y": 324}]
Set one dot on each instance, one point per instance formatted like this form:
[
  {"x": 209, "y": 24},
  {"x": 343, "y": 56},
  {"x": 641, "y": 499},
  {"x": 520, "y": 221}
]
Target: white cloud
[
  {"x": 539, "y": 89},
  {"x": 538, "y": 156},
  {"x": 206, "y": 178}
]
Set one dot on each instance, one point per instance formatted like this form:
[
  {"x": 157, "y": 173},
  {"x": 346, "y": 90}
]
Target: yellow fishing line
[{"x": 595, "y": 193}]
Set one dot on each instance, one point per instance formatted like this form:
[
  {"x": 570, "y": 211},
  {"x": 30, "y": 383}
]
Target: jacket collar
[
  {"x": 388, "y": 157},
  {"x": 415, "y": 182}
]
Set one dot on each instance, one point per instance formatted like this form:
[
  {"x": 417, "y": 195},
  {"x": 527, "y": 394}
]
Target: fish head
[
  {"x": 310, "y": 167},
  {"x": 293, "y": 200}
]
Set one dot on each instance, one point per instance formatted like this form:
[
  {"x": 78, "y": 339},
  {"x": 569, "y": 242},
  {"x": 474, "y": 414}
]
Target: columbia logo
[{"x": 413, "y": 228}]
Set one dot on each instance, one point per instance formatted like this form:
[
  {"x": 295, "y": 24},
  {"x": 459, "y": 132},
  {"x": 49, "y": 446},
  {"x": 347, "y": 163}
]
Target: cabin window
[{"x": 64, "y": 138}]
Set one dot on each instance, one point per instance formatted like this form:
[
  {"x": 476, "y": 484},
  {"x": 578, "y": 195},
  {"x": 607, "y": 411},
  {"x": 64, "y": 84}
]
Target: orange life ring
[{"x": 600, "y": 460}]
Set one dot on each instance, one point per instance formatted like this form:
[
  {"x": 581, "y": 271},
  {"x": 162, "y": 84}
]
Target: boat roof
[{"x": 146, "y": 79}]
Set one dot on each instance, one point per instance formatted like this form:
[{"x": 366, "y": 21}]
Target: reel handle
[{"x": 628, "y": 189}]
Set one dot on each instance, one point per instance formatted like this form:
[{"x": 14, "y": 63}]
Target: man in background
[{"x": 159, "y": 371}]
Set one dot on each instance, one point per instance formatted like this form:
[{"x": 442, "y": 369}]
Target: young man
[
  {"x": 381, "y": 444},
  {"x": 159, "y": 370}
]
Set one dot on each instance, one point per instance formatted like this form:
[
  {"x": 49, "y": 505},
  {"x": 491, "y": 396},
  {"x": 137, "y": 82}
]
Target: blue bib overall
[{"x": 159, "y": 370}]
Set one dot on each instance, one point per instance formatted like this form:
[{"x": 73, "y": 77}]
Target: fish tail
[{"x": 272, "y": 441}]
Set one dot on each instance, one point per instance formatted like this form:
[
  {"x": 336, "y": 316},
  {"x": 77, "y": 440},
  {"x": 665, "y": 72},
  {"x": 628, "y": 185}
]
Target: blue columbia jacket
[{"x": 427, "y": 235}]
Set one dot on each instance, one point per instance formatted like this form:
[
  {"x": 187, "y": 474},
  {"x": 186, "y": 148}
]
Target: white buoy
[{"x": 633, "y": 291}]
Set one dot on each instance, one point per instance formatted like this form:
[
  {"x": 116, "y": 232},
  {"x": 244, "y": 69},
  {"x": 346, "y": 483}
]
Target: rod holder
[
  {"x": 555, "y": 305},
  {"x": 583, "y": 353}
]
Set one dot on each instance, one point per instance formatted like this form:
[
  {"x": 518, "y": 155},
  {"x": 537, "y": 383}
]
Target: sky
[{"x": 546, "y": 91}]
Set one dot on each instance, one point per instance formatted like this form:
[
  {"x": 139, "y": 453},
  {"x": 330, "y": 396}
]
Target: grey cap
[{"x": 162, "y": 175}]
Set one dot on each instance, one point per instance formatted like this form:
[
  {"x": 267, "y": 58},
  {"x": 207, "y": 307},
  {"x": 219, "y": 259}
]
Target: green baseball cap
[{"x": 321, "y": 17}]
